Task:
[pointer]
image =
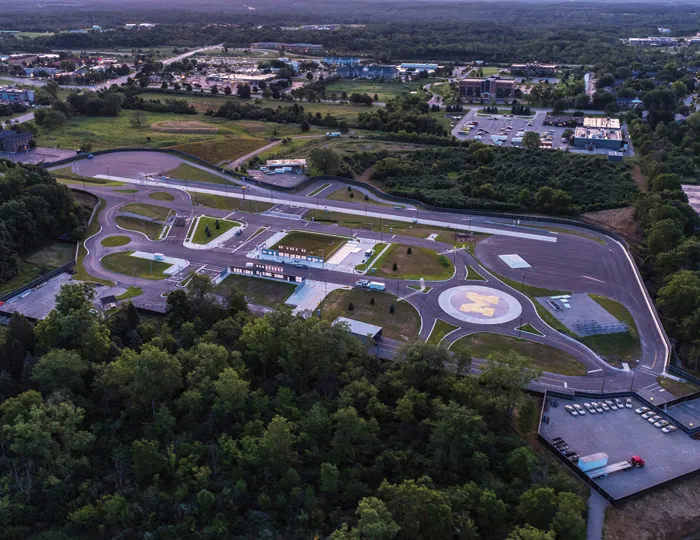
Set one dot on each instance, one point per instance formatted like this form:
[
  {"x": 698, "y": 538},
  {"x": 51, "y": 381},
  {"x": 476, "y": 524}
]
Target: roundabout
[{"x": 479, "y": 305}]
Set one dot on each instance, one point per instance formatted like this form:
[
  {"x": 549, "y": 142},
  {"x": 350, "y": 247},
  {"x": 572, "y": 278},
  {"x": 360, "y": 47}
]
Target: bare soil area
[{"x": 619, "y": 220}]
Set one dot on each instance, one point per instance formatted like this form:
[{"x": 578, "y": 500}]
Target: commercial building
[
  {"x": 599, "y": 133},
  {"x": 11, "y": 141},
  {"x": 16, "y": 95},
  {"x": 534, "y": 69},
  {"x": 23, "y": 59},
  {"x": 364, "y": 331},
  {"x": 341, "y": 61},
  {"x": 653, "y": 41},
  {"x": 293, "y": 165},
  {"x": 368, "y": 72},
  {"x": 488, "y": 87},
  {"x": 408, "y": 67}
]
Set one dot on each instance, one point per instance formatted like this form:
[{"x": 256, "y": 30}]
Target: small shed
[{"x": 363, "y": 331}]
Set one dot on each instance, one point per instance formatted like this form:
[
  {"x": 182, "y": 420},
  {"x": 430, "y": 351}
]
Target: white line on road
[
  {"x": 594, "y": 279},
  {"x": 595, "y": 370}
]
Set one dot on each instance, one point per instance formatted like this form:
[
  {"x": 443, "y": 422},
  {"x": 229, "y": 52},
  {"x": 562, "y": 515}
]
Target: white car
[
  {"x": 641, "y": 410},
  {"x": 571, "y": 410},
  {"x": 579, "y": 409},
  {"x": 611, "y": 404},
  {"x": 605, "y": 406},
  {"x": 590, "y": 407},
  {"x": 654, "y": 419},
  {"x": 597, "y": 406},
  {"x": 648, "y": 415},
  {"x": 661, "y": 423},
  {"x": 628, "y": 403},
  {"x": 669, "y": 429}
]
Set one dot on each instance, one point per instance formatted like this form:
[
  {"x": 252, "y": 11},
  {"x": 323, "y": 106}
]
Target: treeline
[
  {"x": 403, "y": 113},
  {"x": 671, "y": 255},
  {"x": 34, "y": 211},
  {"x": 214, "y": 424},
  {"x": 488, "y": 177}
]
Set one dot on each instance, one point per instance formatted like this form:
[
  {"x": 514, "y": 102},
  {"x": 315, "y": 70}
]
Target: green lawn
[
  {"x": 38, "y": 263},
  {"x": 384, "y": 91},
  {"x": 221, "y": 202},
  {"x": 126, "y": 190},
  {"x": 124, "y": 263},
  {"x": 115, "y": 241},
  {"x": 474, "y": 275},
  {"x": 152, "y": 230},
  {"x": 131, "y": 292},
  {"x": 188, "y": 172},
  {"x": 344, "y": 195},
  {"x": 420, "y": 263},
  {"x": 161, "y": 196},
  {"x": 619, "y": 347},
  {"x": 547, "y": 358},
  {"x": 200, "y": 235},
  {"x": 66, "y": 175},
  {"x": 677, "y": 388},
  {"x": 316, "y": 245},
  {"x": 440, "y": 330},
  {"x": 147, "y": 210},
  {"x": 378, "y": 248},
  {"x": 264, "y": 292},
  {"x": 403, "y": 324},
  {"x": 318, "y": 190},
  {"x": 530, "y": 329}
]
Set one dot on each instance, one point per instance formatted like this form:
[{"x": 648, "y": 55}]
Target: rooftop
[
  {"x": 606, "y": 123},
  {"x": 285, "y": 162},
  {"x": 358, "y": 327},
  {"x": 598, "y": 133}
]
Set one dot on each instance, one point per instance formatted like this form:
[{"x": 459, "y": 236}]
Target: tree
[
  {"x": 394, "y": 267},
  {"x": 49, "y": 118},
  {"x": 392, "y": 310},
  {"x": 505, "y": 375},
  {"x": 227, "y": 90},
  {"x": 305, "y": 126},
  {"x": 138, "y": 119},
  {"x": 343, "y": 126},
  {"x": 409, "y": 251},
  {"x": 664, "y": 235},
  {"x": 60, "y": 369},
  {"x": 243, "y": 91},
  {"x": 231, "y": 392},
  {"x": 528, "y": 532},
  {"x": 214, "y": 90},
  {"x": 350, "y": 307},
  {"x": 531, "y": 140},
  {"x": 326, "y": 161},
  {"x": 309, "y": 76},
  {"x": 538, "y": 507}
]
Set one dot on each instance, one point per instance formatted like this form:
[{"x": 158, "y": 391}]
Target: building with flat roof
[
  {"x": 296, "y": 165},
  {"x": 408, "y": 67},
  {"x": 341, "y": 61},
  {"x": 16, "y": 95},
  {"x": 361, "y": 330},
  {"x": 601, "y": 123},
  {"x": 489, "y": 87},
  {"x": 12, "y": 141},
  {"x": 23, "y": 59},
  {"x": 594, "y": 138},
  {"x": 534, "y": 69},
  {"x": 300, "y": 48},
  {"x": 368, "y": 72}
]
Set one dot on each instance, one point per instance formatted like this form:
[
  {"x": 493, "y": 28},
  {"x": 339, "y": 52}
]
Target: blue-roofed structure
[{"x": 341, "y": 61}]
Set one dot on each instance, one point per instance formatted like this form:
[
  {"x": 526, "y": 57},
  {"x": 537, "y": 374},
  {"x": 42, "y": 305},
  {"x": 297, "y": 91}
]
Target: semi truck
[
  {"x": 372, "y": 285},
  {"x": 596, "y": 465}
]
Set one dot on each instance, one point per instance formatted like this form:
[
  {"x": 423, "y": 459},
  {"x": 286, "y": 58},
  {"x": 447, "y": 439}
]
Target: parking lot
[
  {"x": 502, "y": 129},
  {"x": 622, "y": 434}
]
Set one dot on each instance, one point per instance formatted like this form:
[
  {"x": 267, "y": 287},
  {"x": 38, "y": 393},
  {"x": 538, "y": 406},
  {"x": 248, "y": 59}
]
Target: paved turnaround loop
[{"x": 480, "y": 305}]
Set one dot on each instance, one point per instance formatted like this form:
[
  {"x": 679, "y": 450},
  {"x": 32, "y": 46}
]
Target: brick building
[{"x": 489, "y": 87}]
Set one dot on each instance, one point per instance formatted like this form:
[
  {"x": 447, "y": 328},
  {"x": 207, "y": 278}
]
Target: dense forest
[
  {"x": 34, "y": 211},
  {"x": 488, "y": 177},
  {"x": 212, "y": 423}
]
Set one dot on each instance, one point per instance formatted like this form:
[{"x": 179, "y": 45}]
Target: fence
[{"x": 38, "y": 281}]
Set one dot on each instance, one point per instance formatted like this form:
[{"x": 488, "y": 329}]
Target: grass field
[
  {"x": 161, "y": 196},
  {"x": 124, "y": 263},
  {"x": 384, "y": 91},
  {"x": 131, "y": 292},
  {"x": 147, "y": 210},
  {"x": 188, "y": 172},
  {"x": 200, "y": 235},
  {"x": 115, "y": 241},
  {"x": 231, "y": 141},
  {"x": 316, "y": 245},
  {"x": 220, "y": 202},
  {"x": 547, "y": 358},
  {"x": 264, "y": 292},
  {"x": 619, "y": 347},
  {"x": 403, "y": 324},
  {"x": 440, "y": 330},
  {"x": 378, "y": 248},
  {"x": 318, "y": 190},
  {"x": 420, "y": 263},
  {"x": 152, "y": 230},
  {"x": 353, "y": 196},
  {"x": 38, "y": 263},
  {"x": 66, "y": 175},
  {"x": 474, "y": 275},
  {"x": 530, "y": 329},
  {"x": 677, "y": 388}
]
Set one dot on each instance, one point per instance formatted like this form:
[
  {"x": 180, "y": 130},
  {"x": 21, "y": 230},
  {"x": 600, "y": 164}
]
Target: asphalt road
[{"x": 581, "y": 262}]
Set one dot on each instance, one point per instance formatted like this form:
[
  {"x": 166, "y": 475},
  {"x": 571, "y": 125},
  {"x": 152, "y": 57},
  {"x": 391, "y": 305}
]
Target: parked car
[
  {"x": 619, "y": 403},
  {"x": 590, "y": 407},
  {"x": 648, "y": 415},
  {"x": 574, "y": 458},
  {"x": 579, "y": 409},
  {"x": 661, "y": 423},
  {"x": 641, "y": 410},
  {"x": 628, "y": 403},
  {"x": 569, "y": 453},
  {"x": 597, "y": 406},
  {"x": 571, "y": 410},
  {"x": 605, "y": 406},
  {"x": 653, "y": 419},
  {"x": 669, "y": 429}
]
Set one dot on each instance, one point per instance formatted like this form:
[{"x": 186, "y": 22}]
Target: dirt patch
[
  {"x": 619, "y": 220},
  {"x": 672, "y": 513},
  {"x": 216, "y": 151},
  {"x": 639, "y": 179},
  {"x": 192, "y": 126}
]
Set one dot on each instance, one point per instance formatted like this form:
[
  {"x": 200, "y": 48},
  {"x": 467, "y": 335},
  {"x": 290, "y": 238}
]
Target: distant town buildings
[
  {"x": 16, "y": 95},
  {"x": 664, "y": 30},
  {"x": 408, "y": 67},
  {"x": 368, "y": 72},
  {"x": 488, "y": 87},
  {"x": 140, "y": 26},
  {"x": 298, "y": 48},
  {"x": 341, "y": 61}
]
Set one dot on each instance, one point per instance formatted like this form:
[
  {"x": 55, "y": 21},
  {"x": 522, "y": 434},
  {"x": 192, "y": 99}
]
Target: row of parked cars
[
  {"x": 568, "y": 453},
  {"x": 598, "y": 406},
  {"x": 656, "y": 420}
]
